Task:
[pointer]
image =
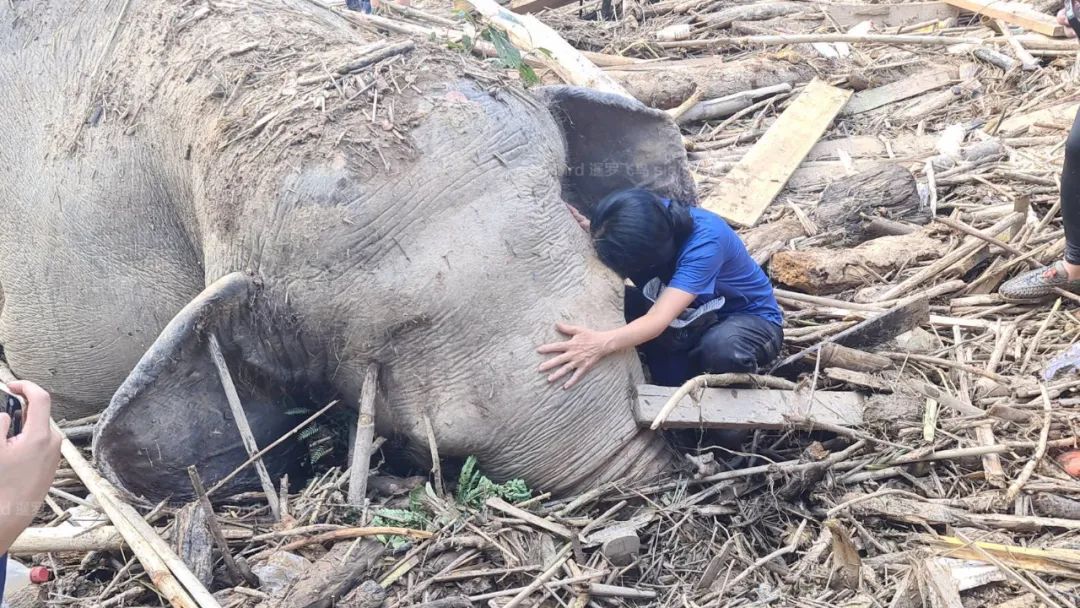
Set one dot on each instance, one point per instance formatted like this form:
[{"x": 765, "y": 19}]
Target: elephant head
[{"x": 447, "y": 267}]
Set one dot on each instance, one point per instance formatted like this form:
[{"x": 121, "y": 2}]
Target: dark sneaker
[{"x": 1038, "y": 284}]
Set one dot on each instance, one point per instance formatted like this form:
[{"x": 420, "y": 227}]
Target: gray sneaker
[{"x": 1038, "y": 284}]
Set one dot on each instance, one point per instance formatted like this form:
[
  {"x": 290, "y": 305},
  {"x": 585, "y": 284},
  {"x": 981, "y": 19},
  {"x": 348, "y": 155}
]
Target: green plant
[
  {"x": 509, "y": 55},
  {"x": 474, "y": 488}
]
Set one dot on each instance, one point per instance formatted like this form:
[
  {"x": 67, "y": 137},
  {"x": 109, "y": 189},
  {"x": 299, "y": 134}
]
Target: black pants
[
  {"x": 713, "y": 344},
  {"x": 1070, "y": 194}
]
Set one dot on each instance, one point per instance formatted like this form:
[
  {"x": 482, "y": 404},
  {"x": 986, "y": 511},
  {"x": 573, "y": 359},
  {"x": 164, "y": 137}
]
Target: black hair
[{"x": 636, "y": 234}]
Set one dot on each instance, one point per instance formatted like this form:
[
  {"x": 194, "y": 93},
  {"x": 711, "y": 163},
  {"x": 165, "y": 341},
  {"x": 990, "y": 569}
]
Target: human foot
[{"x": 1041, "y": 283}]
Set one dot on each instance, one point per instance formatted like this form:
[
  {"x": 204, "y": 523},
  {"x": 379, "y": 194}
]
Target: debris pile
[{"x": 890, "y": 165}]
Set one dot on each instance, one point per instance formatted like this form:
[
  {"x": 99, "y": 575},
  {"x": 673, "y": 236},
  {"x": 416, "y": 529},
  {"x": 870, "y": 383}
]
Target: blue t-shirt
[{"x": 714, "y": 262}]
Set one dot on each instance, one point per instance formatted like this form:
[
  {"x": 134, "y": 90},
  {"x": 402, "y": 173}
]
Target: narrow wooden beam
[
  {"x": 752, "y": 184},
  {"x": 744, "y": 408},
  {"x": 902, "y": 89},
  {"x": 535, "y": 6},
  {"x": 1016, "y": 13},
  {"x": 240, "y": 418}
]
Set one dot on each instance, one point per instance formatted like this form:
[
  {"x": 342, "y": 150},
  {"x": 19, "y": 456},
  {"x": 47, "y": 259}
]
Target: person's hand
[
  {"x": 1063, "y": 20},
  {"x": 578, "y": 355},
  {"x": 579, "y": 218},
  {"x": 27, "y": 462}
]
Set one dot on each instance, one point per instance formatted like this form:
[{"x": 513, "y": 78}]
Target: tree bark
[
  {"x": 826, "y": 271},
  {"x": 845, "y": 216}
]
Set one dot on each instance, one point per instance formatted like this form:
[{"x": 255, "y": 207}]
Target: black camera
[{"x": 15, "y": 407}]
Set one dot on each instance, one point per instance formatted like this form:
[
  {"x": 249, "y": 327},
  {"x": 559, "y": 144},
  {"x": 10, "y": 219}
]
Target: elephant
[{"x": 177, "y": 173}]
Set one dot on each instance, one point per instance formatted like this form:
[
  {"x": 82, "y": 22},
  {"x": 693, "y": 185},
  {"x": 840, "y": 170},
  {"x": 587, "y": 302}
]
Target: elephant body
[{"x": 170, "y": 171}]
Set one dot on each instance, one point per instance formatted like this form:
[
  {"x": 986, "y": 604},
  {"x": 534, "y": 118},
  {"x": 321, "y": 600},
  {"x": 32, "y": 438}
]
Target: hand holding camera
[{"x": 29, "y": 453}]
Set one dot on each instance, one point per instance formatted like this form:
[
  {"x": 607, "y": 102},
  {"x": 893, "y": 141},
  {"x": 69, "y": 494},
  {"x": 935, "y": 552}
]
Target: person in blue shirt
[{"x": 699, "y": 303}]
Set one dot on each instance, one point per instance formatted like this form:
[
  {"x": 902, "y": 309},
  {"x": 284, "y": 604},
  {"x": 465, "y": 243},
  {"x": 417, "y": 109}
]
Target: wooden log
[
  {"x": 847, "y": 204},
  {"x": 919, "y": 512},
  {"x": 902, "y": 89},
  {"x": 529, "y": 35},
  {"x": 723, "y": 107},
  {"x": 932, "y": 102},
  {"x": 759, "y": 11},
  {"x": 744, "y": 193},
  {"x": 786, "y": 39},
  {"x": 1016, "y": 13},
  {"x": 242, "y": 425},
  {"x": 836, "y": 355},
  {"x": 334, "y": 575},
  {"x": 846, "y": 212},
  {"x": 365, "y": 435},
  {"x": 889, "y": 15},
  {"x": 63, "y": 539},
  {"x": 820, "y": 270},
  {"x": 666, "y": 84},
  {"x": 995, "y": 58},
  {"x": 740, "y": 408}
]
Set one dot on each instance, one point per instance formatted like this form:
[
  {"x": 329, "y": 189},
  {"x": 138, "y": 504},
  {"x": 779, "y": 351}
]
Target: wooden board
[
  {"x": 873, "y": 331},
  {"x": 745, "y": 408},
  {"x": 1015, "y": 13},
  {"x": 535, "y": 6},
  {"x": 902, "y": 89},
  {"x": 744, "y": 193},
  {"x": 1061, "y": 114},
  {"x": 886, "y": 326},
  {"x": 889, "y": 15}
]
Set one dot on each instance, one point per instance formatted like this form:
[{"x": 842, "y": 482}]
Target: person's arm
[
  {"x": 27, "y": 462},
  {"x": 586, "y": 347}
]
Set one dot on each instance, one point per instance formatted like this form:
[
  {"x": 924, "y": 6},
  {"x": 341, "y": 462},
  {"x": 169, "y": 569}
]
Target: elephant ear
[
  {"x": 171, "y": 412},
  {"x": 613, "y": 142}
]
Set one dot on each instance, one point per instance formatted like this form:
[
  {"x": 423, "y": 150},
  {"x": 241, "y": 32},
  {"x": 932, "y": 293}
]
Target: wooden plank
[
  {"x": 1061, "y": 114},
  {"x": 744, "y": 193},
  {"x": 902, "y": 89},
  {"x": 886, "y": 326},
  {"x": 535, "y": 6},
  {"x": 889, "y": 15},
  {"x": 1059, "y": 562},
  {"x": 875, "y": 330},
  {"x": 1016, "y": 13},
  {"x": 744, "y": 408}
]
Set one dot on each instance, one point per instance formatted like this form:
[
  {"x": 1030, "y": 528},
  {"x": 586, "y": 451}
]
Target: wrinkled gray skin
[{"x": 164, "y": 175}]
